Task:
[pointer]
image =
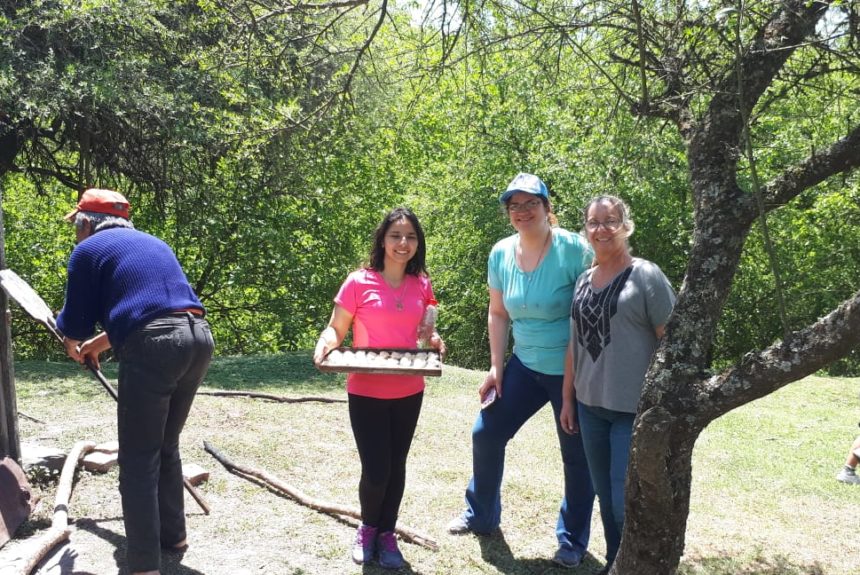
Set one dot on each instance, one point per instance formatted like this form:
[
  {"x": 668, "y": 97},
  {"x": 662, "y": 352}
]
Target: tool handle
[
  {"x": 198, "y": 497},
  {"x": 193, "y": 491},
  {"x": 102, "y": 380}
]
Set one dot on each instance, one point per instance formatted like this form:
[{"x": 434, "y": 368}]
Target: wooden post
[{"x": 10, "y": 442}]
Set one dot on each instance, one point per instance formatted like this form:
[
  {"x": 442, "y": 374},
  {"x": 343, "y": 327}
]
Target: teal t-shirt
[{"x": 538, "y": 303}]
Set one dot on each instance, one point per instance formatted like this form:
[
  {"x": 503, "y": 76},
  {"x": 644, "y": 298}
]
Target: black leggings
[{"x": 383, "y": 430}]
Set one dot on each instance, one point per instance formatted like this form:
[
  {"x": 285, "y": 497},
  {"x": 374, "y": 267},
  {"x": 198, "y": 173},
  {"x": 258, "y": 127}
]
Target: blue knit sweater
[{"x": 122, "y": 278}]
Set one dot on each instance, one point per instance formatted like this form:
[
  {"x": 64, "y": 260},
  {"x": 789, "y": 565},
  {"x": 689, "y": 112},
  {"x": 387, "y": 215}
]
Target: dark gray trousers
[{"x": 161, "y": 365}]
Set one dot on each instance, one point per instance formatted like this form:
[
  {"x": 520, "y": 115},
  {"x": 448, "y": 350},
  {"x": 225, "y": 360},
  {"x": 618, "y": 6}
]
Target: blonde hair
[{"x": 615, "y": 203}]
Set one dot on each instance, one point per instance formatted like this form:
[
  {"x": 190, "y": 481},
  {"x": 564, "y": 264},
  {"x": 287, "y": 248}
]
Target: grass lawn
[{"x": 764, "y": 498}]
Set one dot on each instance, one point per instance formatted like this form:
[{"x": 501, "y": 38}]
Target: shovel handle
[
  {"x": 30, "y": 302},
  {"x": 102, "y": 380}
]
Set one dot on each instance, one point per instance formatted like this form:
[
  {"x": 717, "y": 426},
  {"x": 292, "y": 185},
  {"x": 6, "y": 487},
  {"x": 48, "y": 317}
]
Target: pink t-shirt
[{"x": 386, "y": 318}]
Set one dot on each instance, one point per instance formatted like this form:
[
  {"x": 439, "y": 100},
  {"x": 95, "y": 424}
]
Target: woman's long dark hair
[{"x": 415, "y": 266}]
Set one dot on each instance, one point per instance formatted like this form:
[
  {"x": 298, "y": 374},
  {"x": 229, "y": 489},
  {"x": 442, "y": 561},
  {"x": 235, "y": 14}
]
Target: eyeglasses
[
  {"x": 524, "y": 207},
  {"x": 610, "y": 225}
]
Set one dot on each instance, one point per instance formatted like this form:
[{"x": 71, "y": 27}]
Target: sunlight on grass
[{"x": 763, "y": 476}]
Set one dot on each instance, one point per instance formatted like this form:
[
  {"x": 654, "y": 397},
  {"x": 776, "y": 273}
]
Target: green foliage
[
  {"x": 198, "y": 113},
  {"x": 38, "y": 243},
  {"x": 224, "y": 125},
  {"x": 818, "y": 258},
  {"x": 816, "y": 236},
  {"x": 461, "y": 135}
]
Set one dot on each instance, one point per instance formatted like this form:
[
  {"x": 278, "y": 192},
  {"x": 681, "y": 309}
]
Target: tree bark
[
  {"x": 680, "y": 398},
  {"x": 658, "y": 494},
  {"x": 10, "y": 441}
]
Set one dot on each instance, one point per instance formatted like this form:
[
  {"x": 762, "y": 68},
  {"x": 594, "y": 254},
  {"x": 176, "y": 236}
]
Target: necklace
[
  {"x": 530, "y": 274},
  {"x": 398, "y": 297}
]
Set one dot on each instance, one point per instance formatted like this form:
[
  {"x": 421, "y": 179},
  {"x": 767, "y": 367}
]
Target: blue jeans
[
  {"x": 524, "y": 392},
  {"x": 161, "y": 365},
  {"x": 606, "y": 437}
]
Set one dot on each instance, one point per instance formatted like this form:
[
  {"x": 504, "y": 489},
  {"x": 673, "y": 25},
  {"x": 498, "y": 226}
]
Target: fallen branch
[
  {"x": 67, "y": 477},
  {"x": 406, "y": 533},
  {"x": 41, "y": 546},
  {"x": 59, "y": 531},
  {"x": 278, "y": 398},
  {"x": 30, "y": 417}
]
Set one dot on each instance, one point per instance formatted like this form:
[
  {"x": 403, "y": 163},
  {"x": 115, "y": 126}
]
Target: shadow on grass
[
  {"x": 290, "y": 371},
  {"x": 31, "y": 527},
  {"x": 66, "y": 378},
  {"x": 170, "y": 562},
  {"x": 725, "y": 564},
  {"x": 495, "y": 551}
]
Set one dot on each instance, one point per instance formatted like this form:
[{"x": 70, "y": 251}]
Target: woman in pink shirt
[{"x": 383, "y": 303}]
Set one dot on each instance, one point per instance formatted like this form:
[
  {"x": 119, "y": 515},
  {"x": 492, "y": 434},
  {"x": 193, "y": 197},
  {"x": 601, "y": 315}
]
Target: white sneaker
[
  {"x": 846, "y": 476},
  {"x": 459, "y": 525}
]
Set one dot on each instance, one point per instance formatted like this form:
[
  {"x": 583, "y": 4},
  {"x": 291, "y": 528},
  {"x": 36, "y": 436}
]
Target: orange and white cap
[{"x": 101, "y": 201}]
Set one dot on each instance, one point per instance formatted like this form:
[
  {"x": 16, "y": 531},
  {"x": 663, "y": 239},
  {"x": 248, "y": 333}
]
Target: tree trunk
[
  {"x": 658, "y": 494},
  {"x": 10, "y": 442}
]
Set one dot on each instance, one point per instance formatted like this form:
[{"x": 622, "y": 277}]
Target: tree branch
[
  {"x": 67, "y": 181},
  {"x": 271, "y": 397},
  {"x": 334, "y": 509},
  {"x": 805, "y": 352},
  {"x": 759, "y": 64},
  {"x": 842, "y": 156},
  {"x": 383, "y": 12},
  {"x": 306, "y": 6}
]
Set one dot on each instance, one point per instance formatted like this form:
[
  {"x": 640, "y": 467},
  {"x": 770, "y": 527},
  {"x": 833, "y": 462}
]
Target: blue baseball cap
[{"x": 528, "y": 183}]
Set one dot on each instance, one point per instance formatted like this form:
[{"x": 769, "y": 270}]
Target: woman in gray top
[{"x": 619, "y": 311}]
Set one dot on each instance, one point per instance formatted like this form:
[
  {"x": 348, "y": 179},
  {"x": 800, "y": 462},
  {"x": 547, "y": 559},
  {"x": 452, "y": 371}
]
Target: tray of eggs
[{"x": 384, "y": 361}]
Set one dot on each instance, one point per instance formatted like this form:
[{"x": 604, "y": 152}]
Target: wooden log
[
  {"x": 278, "y": 398},
  {"x": 194, "y": 474},
  {"x": 99, "y": 461},
  {"x": 41, "y": 546},
  {"x": 196, "y": 495},
  {"x": 406, "y": 533},
  {"x": 67, "y": 477}
]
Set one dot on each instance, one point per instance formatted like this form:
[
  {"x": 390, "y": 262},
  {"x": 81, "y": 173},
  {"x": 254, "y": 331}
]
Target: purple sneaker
[
  {"x": 365, "y": 544},
  {"x": 389, "y": 555}
]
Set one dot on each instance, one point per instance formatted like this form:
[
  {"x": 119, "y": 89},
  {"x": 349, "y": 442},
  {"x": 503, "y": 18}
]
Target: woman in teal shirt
[{"x": 531, "y": 276}]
